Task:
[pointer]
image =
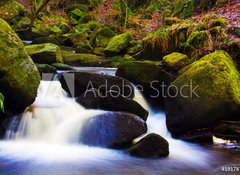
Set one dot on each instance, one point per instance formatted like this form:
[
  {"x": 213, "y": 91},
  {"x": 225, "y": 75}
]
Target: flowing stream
[{"x": 45, "y": 142}]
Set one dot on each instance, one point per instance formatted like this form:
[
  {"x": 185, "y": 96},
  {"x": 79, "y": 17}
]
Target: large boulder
[
  {"x": 45, "y": 53},
  {"x": 112, "y": 130},
  {"x": 118, "y": 44},
  {"x": 10, "y": 9},
  {"x": 90, "y": 60},
  {"x": 151, "y": 146},
  {"x": 112, "y": 101},
  {"x": 19, "y": 77},
  {"x": 76, "y": 83},
  {"x": 204, "y": 93}
]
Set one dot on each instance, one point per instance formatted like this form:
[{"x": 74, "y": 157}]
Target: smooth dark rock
[
  {"x": 61, "y": 66},
  {"x": 151, "y": 146},
  {"x": 76, "y": 83},
  {"x": 198, "y": 136},
  {"x": 228, "y": 130},
  {"x": 112, "y": 130},
  {"x": 45, "y": 68},
  {"x": 93, "y": 99}
]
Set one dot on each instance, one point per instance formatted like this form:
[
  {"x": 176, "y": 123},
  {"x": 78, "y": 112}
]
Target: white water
[{"x": 48, "y": 132}]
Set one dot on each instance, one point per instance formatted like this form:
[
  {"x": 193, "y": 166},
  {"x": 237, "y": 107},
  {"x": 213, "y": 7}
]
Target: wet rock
[
  {"x": 112, "y": 130},
  {"x": 45, "y": 68},
  {"x": 83, "y": 81},
  {"x": 61, "y": 66},
  {"x": 85, "y": 60},
  {"x": 227, "y": 130},
  {"x": 45, "y": 53},
  {"x": 151, "y": 146},
  {"x": 28, "y": 35},
  {"x": 211, "y": 85},
  {"x": 112, "y": 101},
  {"x": 19, "y": 77},
  {"x": 204, "y": 135}
]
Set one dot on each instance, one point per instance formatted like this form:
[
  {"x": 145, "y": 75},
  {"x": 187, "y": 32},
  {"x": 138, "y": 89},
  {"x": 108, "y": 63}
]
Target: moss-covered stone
[
  {"x": 1, "y": 102},
  {"x": 19, "y": 78},
  {"x": 176, "y": 61},
  {"x": 146, "y": 74},
  {"x": 45, "y": 53},
  {"x": 197, "y": 39},
  {"x": 85, "y": 60},
  {"x": 171, "y": 20},
  {"x": 101, "y": 36},
  {"x": 22, "y": 24},
  {"x": 11, "y": 9},
  {"x": 98, "y": 51},
  {"x": 118, "y": 44},
  {"x": 208, "y": 91}
]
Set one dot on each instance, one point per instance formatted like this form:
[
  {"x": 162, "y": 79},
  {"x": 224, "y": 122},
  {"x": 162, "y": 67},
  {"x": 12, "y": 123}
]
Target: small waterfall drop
[{"x": 54, "y": 121}]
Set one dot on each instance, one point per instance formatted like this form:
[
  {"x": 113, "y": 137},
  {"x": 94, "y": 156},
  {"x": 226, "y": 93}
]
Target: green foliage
[{"x": 1, "y": 102}]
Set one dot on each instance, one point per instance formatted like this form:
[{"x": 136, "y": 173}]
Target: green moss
[
  {"x": 197, "y": 39},
  {"x": 176, "y": 61},
  {"x": 118, "y": 44},
  {"x": 1, "y": 102},
  {"x": 11, "y": 9},
  {"x": 85, "y": 60},
  {"x": 17, "y": 70},
  {"x": 184, "y": 7},
  {"x": 101, "y": 36},
  {"x": 45, "y": 53},
  {"x": 171, "y": 20},
  {"x": 158, "y": 38},
  {"x": 139, "y": 72}
]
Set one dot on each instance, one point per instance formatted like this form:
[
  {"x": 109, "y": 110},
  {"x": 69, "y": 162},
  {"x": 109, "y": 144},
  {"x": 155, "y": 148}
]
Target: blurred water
[{"x": 46, "y": 143}]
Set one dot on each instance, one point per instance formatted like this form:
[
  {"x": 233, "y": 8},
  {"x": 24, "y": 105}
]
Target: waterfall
[
  {"x": 54, "y": 122},
  {"x": 53, "y": 117}
]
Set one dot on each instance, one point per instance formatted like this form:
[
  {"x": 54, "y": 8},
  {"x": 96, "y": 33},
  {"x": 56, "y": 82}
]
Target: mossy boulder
[
  {"x": 176, "y": 61},
  {"x": 19, "y": 78},
  {"x": 11, "y": 9},
  {"x": 101, "y": 36},
  {"x": 22, "y": 24},
  {"x": 146, "y": 74},
  {"x": 85, "y": 60},
  {"x": 45, "y": 53},
  {"x": 204, "y": 93},
  {"x": 118, "y": 44}
]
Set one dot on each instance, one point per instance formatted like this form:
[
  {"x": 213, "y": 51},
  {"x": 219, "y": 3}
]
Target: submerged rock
[
  {"x": 151, "y": 146},
  {"x": 19, "y": 77},
  {"x": 204, "y": 93},
  {"x": 112, "y": 130},
  {"x": 76, "y": 83},
  {"x": 45, "y": 53},
  {"x": 112, "y": 101}
]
